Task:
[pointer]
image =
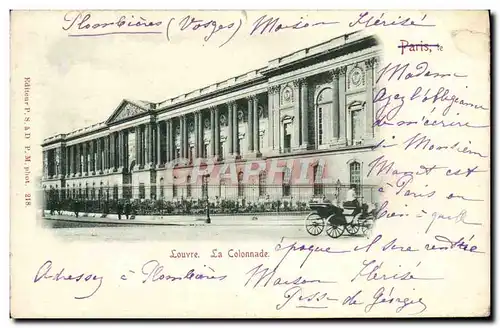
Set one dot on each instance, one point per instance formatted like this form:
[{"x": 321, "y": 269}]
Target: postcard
[{"x": 250, "y": 164}]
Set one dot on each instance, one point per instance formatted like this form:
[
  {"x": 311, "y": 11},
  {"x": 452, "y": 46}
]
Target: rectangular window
[
  {"x": 115, "y": 192},
  {"x": 262, "y": 184},
  {"x": 285, "y": 184},
  {"x": 204, "y": 187},
  {"x": 287, "y": 140},
  {"x": 152, "y": 193},
  {"x": 142, "y": 191},
  {"x": 355, "y": 126}
]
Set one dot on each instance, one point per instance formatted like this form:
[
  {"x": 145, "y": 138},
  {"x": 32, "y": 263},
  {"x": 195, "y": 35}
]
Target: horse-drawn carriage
[{"x": 336, "y": 219}]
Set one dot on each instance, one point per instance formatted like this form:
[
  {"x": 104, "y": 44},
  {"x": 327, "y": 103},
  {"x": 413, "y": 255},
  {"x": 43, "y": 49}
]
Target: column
[
  {"x": 148, "y": 148},
  {"x": 125, "y": 149},
  {"x": 217, "y": 132},
  {"x": 72, "y": 161},
  {"x": 172, "y": 139},
  {"x": 212, "y": 132},
  {"x": 170, "y": 142},
  {"x": 231, "y": 128},
  {"x": 79, "y": 159},
  {"x": 85, "y": 158},
  {"x": 196, "y": 136},
  {"x": 167, "y": 141},
  {"x": 159, "y": 139},
  {"x": 119, "y": 163},
  {"x": 272, "y": 124},
  {"x": 250, "y": 129},
  {"x": 45, "y": 164},
  {"x": 137, "y": 146},
  {"x": 236, "y": 150},
  {"x": 186, "y": 140},
  {"x": 296, "y": 113},
  {"x": 201, "y": 135},
  {"x": 335, "y": 106},
  {"x": 277, "y": 121},
  {"x": 342, "y": 109},
  {"x": 304, "y": 119},
  {"x": 99, "y": 155},
  {"x": 112, "y": 150},
  {"x": 68, "y": 161},
  {"x": 256, "y": 132},
  {"x": 181, "y": 136},
  {"x": 106, "y": 153},
  {"x": 369, "y": 99}
]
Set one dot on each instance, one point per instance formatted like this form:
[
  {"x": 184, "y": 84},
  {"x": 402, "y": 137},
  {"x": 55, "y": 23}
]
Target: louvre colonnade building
[{"x": 314, "y": 105}]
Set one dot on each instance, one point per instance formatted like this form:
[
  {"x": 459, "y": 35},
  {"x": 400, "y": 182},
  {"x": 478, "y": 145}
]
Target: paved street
[{"x": 221, "y": 229}]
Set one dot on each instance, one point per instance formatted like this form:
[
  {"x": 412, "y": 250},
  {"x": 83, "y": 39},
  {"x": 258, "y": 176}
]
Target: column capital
[
  {"x": 303, "y": 81},
  {"x": 273, "y": 89},
  {"x": 296, "y": 83},
  {"x": 371, "y": 62},
  {"x": 251, "y": 97}
]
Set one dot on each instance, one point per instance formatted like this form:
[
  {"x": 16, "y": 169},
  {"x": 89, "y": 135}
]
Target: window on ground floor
[
  {"x": 317, "y": 183},
  {"x": 142, "y": 191},
  {"x": 241, "y": 190},
  {"x": 188, "y": 186},
  {"x": 262, "y": 183},
  {"x": 115, "y": 192},
  {"x": 285, "y": 182},
  {"x": 355, "y": 176}
]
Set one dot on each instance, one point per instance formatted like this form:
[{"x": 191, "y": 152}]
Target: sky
[{"x": 81, "y": 80}]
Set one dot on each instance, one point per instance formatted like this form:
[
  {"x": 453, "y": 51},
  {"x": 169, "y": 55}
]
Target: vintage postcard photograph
[{"x": 250, "y": 164}]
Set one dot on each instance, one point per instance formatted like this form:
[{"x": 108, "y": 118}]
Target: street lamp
[{"x": 205, "y": 185}]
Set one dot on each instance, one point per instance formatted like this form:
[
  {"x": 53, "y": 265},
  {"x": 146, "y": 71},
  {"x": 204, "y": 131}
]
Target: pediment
[{"x": 125, "y": 110}]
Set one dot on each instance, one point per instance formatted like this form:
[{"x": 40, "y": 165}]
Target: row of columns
[
  {"x": 111, "y": 152},
  {"x": 96, "y": 156},
  {"x": 165, "y": 141}
]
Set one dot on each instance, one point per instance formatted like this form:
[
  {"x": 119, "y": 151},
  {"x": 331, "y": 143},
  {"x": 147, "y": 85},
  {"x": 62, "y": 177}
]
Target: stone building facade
[{"x": 305, "y": 115}]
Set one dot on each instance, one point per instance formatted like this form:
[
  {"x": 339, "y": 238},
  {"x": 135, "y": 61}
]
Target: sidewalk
[{"x": 178, "y": 220}]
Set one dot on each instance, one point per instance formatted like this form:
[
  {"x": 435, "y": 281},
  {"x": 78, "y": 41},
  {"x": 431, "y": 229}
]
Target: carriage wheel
[
  {"x": 334, "y": 230},
  {"x": 314, "y": 224},
  {"x": 352, "y": 229},
  {"x": 366, "y": 228}
]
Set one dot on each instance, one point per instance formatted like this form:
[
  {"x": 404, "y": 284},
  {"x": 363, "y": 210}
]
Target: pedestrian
[
  {"x": 351, "y": 198},
  {"x": 76, "y": 206},
  {"x": 119, "y": 209},
  {"x": 127, "y": 209}
]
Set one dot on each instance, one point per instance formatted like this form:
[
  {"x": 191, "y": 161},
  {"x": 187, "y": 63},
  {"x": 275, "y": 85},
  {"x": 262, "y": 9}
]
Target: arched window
[
  {"x": 317, "y": 183},
  {"x": 241, "y": 191},
  {"x": 188, "y": 186},
  {"x": 262, "y": 183},
  {"x": 285, "y": 182},
  {"x": 355, "y": 175}
]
